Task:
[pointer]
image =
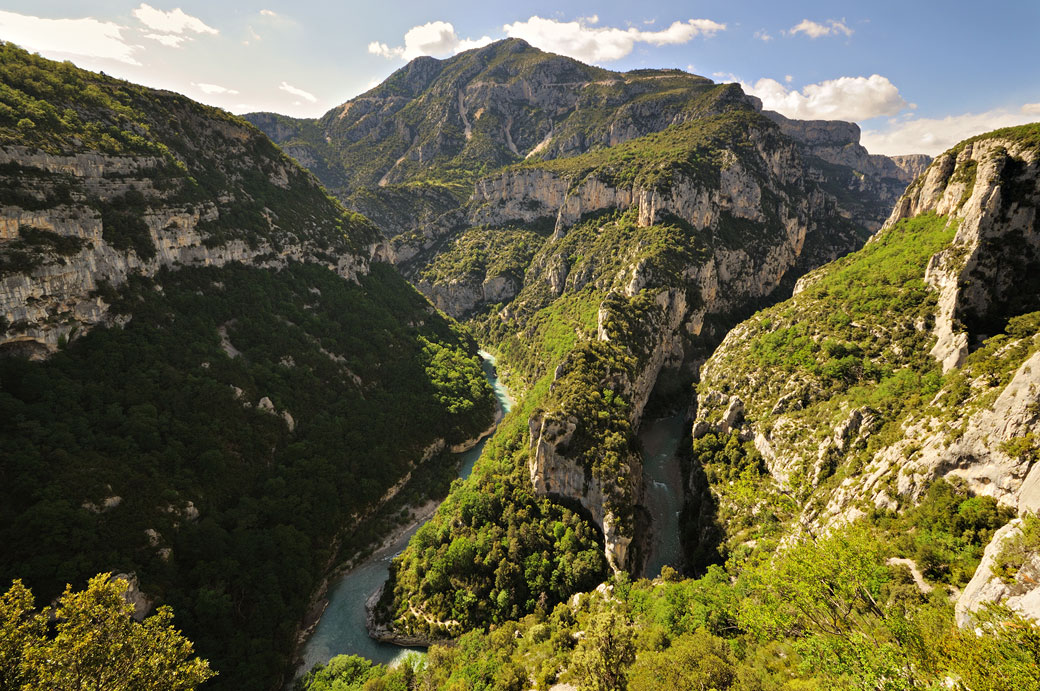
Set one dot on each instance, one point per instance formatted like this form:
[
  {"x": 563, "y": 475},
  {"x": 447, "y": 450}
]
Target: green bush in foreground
[{"x": 95, "y": 644}]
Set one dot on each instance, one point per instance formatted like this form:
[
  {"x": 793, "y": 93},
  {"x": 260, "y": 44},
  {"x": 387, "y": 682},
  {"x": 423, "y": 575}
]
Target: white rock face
[
  {"x": 141, "y": 602},
  {"x": 972, "y": 276},
  {"x": 54, "y": 300},
  {"x": 1022, "y": 595}
]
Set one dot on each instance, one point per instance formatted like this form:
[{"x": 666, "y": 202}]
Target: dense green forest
[{"x": 146, "y": 448}]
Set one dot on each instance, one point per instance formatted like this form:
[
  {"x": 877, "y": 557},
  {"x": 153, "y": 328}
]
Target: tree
[
  {"x": 604, "y": 654},
  {"x": 18, "y": 626},
  {"x": 697, "y": 661},
  {"x": 96, "y": 645}
]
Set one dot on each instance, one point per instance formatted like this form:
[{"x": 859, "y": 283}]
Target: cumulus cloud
[
  {"x": 290, "y": 89},
  {"x": 213, "y": 88},
  {"x": 84, "y": 37},
  {"x": 580, "y": 39},
  {"x": 816, "y": 30},
  {"x": 763, "y": 35},
  {"x": 172, "y": 22},
  {"x": 269, "y": 13},
  {"x": 935, "y": 135},
  {"x": 171, "y": 40},
  {"x": 433, "y": 38},
  {"x": 845, "y": 98}
]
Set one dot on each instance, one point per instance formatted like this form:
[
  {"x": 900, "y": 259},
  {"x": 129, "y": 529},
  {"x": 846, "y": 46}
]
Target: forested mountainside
[
  {"x": 862, "y": 479},
  {"x": 210, "y": 374},
  {"x": 595, "y": 229}
]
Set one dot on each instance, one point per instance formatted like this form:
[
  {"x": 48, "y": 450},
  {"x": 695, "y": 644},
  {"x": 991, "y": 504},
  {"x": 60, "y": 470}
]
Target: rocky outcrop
[
  {"x": 54, "y": 296},
  {"x": 553, "y": 474},
  {"x": 977, "y": 430},
  {"x": 837, "y": 142},
  {"x": 460, "y": 296},
  {"x": 990, "y": 189},
  {"x": 733, "y": 274},
  {"x": 1021, "y": 594}
]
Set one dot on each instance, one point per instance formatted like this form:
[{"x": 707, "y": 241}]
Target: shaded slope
[{"x": 227, "y": 375}]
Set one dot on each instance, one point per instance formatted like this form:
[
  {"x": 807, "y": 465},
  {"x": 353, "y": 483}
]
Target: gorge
[{"x": 239, "y": 354}]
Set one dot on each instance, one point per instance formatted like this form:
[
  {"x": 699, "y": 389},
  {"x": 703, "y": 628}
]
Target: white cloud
[
  {"x": 788, "y": 78},
  {"x": 171, "y": 40},
  {"x": 935, "y": 135},
  {"x": 290, "y": 89},
  {"x": 433, "y": 38},
  {"x": 269, "y": 13},
  {"x": 815, "y": 30},
  {"x": 383, "y": 50},
  {"x": 172, "y": 22},
  {"x": 1031, "y": 108},
  {"x": 85, "y": 37},
  {"x": 845, "y": 98},
  {"x": 763, "y": 35},
  {"x": 579, "y": 39},
  {"x": 602, "y": 44},
  {"x": 213, "y": 88}
]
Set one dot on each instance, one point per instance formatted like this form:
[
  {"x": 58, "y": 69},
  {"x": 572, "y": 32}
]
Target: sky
[{"x": 917, "y": 75}]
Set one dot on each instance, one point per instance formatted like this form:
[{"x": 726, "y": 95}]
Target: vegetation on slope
[
  {"x": 188, "y": 153},
  {"x": 551, "y": 349},
  {"x": 826, "y": 613},
  {"x": 150, "y": 414}
]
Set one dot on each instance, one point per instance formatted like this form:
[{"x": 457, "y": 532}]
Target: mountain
[
  {"x": 860, "y": 476},
  {"x": 600, "y": 232},
  {"x": 911, "y": 361},
  {"x": 408, "y": 152},
  {"x": 211, "y": 376}
]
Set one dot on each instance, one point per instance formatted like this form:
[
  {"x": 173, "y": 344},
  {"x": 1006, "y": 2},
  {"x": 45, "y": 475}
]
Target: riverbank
[{"x": 336, "y": 624}]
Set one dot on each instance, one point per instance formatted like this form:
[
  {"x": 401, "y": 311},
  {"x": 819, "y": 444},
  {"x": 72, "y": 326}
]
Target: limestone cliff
[
  {"x": 747, "y": 232},
  {"x": 76, "y": 221},
  {"x": 991, "y": 271},
  {"x": 929, "y": 370}
]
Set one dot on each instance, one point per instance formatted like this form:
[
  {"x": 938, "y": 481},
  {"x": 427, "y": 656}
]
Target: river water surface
[
  {"x": 341, "y": 630},
  {"x": 663, "y": 494}
]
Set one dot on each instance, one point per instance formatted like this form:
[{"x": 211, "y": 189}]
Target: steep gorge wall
[
  {"x": 991, "y": 189},
  {"x": 978, "y": 428},
  {"x": 51, "y": 296},
  {"x": 730, "y": 277}
]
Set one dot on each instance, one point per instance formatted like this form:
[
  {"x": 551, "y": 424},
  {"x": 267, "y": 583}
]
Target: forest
[{"x": 149, "y": 449}]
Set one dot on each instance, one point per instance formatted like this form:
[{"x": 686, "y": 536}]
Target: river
[
  {"x": 341, "y": 630},
  {"x": 663, "y": 496}
]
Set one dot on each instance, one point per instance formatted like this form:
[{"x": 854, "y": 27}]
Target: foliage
[
  {"x": 824, "y": 613},
  {"x": 1001, "y": 654},
  {"x": 693, "y": 661},
  {"x": 178, "y": 151},
  {"x": 485, "y": 253},
  {"x": 36, "y": 246},
  {"x": 605, "y": 652},
  {"x": 159, "y": 414},
  {"x": 696, "y": 150},
  {"x": 353, "y": 673},
  {"x": 95, "y": 644},
  {"x": 946, "y": 532},
  {"x": 1016, "y": 551}
]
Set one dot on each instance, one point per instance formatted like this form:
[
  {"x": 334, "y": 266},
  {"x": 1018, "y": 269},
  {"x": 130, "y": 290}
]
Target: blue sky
[{"x": 918, "y": 76}]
